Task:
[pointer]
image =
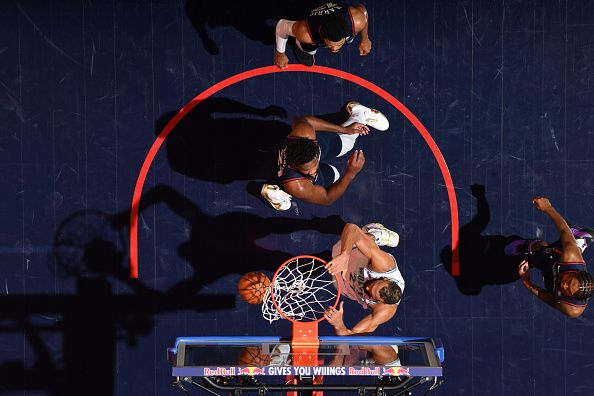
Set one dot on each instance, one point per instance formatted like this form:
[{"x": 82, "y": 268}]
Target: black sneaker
[{"x": 303, "y": 57}]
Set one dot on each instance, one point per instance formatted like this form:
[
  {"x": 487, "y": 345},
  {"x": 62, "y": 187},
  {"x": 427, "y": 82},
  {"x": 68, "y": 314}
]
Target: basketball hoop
[{"x": 301, "y": 291}]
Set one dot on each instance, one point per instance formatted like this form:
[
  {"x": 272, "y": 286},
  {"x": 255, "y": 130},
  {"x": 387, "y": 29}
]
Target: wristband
[{"x": 284, "y": 29}]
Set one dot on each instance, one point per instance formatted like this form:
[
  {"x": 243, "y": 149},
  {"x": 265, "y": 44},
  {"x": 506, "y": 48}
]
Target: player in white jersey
[{"x": 367, "y": 275}]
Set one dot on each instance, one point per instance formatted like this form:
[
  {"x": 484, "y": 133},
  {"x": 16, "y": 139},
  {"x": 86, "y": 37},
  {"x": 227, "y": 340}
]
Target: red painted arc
[{"x": 291, "y": 68}]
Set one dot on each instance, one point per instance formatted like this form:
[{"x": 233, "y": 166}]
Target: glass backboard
[{"x": 334, "y": 356}]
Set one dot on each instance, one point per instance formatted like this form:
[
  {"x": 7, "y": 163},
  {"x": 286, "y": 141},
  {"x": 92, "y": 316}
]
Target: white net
[{"x": 302, "y": 289}]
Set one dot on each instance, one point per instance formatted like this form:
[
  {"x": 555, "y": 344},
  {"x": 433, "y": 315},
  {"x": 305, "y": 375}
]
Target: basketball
[
  {"x": 253, "y": 356},
  {"x": 252, "y": 287}
]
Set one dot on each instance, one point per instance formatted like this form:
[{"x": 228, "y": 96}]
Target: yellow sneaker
[{"x": 382, "y": 235}]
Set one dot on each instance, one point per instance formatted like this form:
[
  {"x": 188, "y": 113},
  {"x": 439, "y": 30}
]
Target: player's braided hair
[
  {"x": 301, "y": 150},
  {"x": 586, "y": 286},
  {"x": 335, "y": 29},
  {"x": 391, "y": 293}
]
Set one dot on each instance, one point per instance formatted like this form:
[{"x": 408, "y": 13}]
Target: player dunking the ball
[{"x": 367, "y": 275}]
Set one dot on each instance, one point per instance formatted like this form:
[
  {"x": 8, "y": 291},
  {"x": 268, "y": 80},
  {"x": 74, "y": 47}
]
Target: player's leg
[
  {"x": 524, "y": 247},
  {"x": 382, "y": 235},
  {"x": 584, "y": 237},
  {"x": 363, "y": 115},
  {"x": 348, "y": 142},
  {"x": 327, "y": 175},
  {"x": 366, "y": 115}
]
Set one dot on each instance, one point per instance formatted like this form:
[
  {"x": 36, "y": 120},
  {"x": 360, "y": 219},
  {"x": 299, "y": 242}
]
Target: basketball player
[
  {"x": 367, "y": 355},
  {"x": 367, "y": 275},
  {"x": 302, "y": 170},
  {"x": 330, "y": 25},
  {"x": 567, "y": 282}
]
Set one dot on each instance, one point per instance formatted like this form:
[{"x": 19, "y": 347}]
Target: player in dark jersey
[
  {"x": 302, "y": 169},
  {"x": 331, "y": 25},
  {"x": 568, "y": 284}
]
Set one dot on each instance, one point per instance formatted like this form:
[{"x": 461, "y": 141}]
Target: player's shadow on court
[
  {"x": 221, "y": 141},
  {"x": 256, "y": 20},
  {"x": 216, "y": 141},
  {"x": 482, "y": 258},
  {"x": 72, "y": 338},
  {"x": 227, "y": 244}
]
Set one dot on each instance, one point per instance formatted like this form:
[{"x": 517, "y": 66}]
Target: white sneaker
[
  {"x": 279, "y": 199},
  {"x": 372, "y": 117},
  {"x": 382, "y": 235}
]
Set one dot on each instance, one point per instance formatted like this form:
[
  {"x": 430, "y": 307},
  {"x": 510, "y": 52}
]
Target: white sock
[{"x": 348, "y": 141}]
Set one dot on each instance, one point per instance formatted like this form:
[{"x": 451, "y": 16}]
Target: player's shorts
[
  {"x": 330, "y": 146},
  {"x": 327, "y": 175}
]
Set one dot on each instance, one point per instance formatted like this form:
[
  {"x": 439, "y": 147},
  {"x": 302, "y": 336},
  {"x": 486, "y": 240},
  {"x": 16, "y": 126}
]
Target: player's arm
[
  {"x": 317, "y": 124},
  {"x": 383, "y": 354},
  {"x": 285, "y": 29},
  {"x": 379, "y": 261},
  {"x": 361, "y": 21},
  {"x": 544, "y": 295},
  {"x": 571, "y": 252},
  {"x": 568, "y": 310},
  {"x": 301, "y": 128},
  {"x": 380, "y": 313},
  {"x": 352, "y": 235},
  {"x": 304, "y": 190}
]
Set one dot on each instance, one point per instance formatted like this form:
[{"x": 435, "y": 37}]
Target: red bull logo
[
  {"x": 364, "y": 371},
  {"x": 251, "y": 371},
  {"x": 396, "y": 371},
  {"x": 209, "y": 372}
]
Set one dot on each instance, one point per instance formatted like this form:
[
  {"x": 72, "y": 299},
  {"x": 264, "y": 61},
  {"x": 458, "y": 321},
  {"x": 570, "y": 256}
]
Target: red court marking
[{"x": 291, "y": 68}]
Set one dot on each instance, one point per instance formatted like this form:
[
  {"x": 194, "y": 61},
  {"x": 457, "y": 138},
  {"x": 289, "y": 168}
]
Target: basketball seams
[{"x": 252, "y": 287}]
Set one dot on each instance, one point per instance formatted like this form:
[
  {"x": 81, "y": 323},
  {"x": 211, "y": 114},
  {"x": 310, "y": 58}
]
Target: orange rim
[{"x": 274, "y": 280}]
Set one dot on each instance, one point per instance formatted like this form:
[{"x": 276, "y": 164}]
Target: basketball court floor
[{"x": 503, "y": 88}]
